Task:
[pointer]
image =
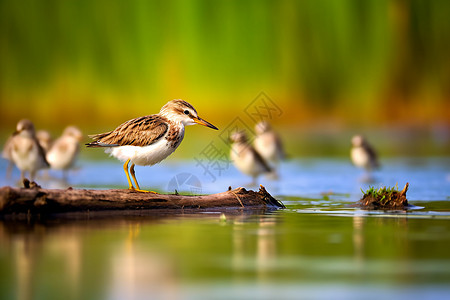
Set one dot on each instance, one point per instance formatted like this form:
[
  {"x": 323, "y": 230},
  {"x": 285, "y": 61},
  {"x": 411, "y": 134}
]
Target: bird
[
  {"x": 6, "y": 154},
  {"x": 246, "y": 158},
  {"x": 62, "y": 154},
  {"x": 268, "y": 143},
  {"x": 26, "y": 152},
  {"x": 148, "y": 140},
  {"x": 44, "y": 139},
  {"x": 362, "y": 154}
]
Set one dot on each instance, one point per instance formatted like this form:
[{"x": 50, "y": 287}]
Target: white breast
[
  {"x": 360, "y": 157},
  {"x": 63, "y": 153},
  {"x": 245, "y": 160},
  {"x": 146, "y": 155},
  {"x": 25, "y": 154},
  {"x": 266, "y": 146}
]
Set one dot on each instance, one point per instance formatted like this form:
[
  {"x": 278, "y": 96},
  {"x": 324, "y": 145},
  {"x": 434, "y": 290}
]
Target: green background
[{"x": 329, "y": 65}]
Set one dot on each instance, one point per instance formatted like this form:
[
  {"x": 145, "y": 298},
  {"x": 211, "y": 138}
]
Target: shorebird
[
  {"x": 148, "y": 140},
  {"x": 26, "y": 152},
  {"x": 6, "y": 154},
  {"x": 246, "y": 158},
  {"x": 362, "y": 154},
  {"x": 44, "y": 139},
  {"x": 64, "y": 150},
  {"x": 268, "y": 143}
]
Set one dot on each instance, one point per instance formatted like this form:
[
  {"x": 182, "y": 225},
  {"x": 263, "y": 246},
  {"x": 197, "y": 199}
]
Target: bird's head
[
  {"x": 25, "y": 127},
  {"x": 238, "y": 136},
  {"x": 181, "y": 111},
  {"x": 358, "y": 141},
  {"x": 73, "y": 132},
  {"x": 262, "y": 127}
]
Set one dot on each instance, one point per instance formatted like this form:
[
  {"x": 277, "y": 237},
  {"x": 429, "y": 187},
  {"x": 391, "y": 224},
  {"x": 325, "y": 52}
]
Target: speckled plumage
[{"x": 150, "y": 139}]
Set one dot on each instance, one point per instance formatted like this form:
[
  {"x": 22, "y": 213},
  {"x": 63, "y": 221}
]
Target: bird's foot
[{"x": 142, "y": 191}]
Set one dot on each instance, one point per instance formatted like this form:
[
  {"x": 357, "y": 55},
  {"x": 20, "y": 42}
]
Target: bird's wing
[
  {"x": 141, "y": 131},
  {"x": 280, "y": 147},
  {"x": 41, "y": 152},
  {"x": 260, "y": 160},
  {"x": 373, "y": 156}
]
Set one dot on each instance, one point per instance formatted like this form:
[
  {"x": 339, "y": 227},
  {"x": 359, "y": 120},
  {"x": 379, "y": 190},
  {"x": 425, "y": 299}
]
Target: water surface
[{"x": 318, "y": 247}]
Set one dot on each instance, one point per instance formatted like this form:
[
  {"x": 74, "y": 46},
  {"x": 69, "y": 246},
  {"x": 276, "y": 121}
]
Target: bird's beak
[{"x": 204, "y": 123}]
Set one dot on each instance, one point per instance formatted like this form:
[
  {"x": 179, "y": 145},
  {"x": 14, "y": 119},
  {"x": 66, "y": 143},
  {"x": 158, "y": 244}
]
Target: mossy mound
[{"x": 384, "y": 198}]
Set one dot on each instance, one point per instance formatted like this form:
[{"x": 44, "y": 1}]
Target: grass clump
[{"x": 384, "y": 198}]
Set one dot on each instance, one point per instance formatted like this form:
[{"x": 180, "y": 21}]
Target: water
[{"x": 317, "y": 248}]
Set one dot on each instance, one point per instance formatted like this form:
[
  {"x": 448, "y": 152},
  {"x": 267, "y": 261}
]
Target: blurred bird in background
[
  {"x": 246, "y": 158},
  {"x": 6, "y": 154},
  {"x": 44, "y": 139},
  {"x": 268, "y": 144},
  {"x": 363, "y": 155},
  {"x": 24, "y": 150},
  {"x": 63, "y": 152}
]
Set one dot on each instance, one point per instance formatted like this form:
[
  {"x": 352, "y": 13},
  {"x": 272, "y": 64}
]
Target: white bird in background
[
  {"x": 362, "y": 154},
  {"x": 268, "y": 144},
  {"x": 63, "y": 153},
  {"x": 246, "y": 158},
  {"x": 25, "y": 150}
]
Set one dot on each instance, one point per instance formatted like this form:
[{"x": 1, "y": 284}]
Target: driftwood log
[{"x": 35, "y": 200}]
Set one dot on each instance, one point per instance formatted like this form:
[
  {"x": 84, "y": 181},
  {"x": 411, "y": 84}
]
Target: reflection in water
[
  {"x": 30, "y": 246},
  {"x": 249, "y": 253},
  {"x": 139, "y": 273},
  {"x": 26, "y": 249},
  {"x": 316, "y": 244},
  {"x": 358, "y": 239},
  {"x": 205, "y": 256},
  {"x": 266, "y": 247},
  {"x": 67, "y": 246},
  {"x": 24, "y": 267}
]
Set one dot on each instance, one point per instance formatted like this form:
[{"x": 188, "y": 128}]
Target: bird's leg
[
  {"x": 125, "y": 168},
  {"x": 254, "y": 179},
  {"x": 133, "y": 174},
  {"x": 32, "y": 175}
]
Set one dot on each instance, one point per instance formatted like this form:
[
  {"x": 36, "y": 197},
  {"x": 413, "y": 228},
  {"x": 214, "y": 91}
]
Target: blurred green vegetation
[{"x": 349, "y": 62}]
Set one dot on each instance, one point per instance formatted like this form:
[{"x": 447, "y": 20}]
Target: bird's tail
[
  {"x": 97, "y": 144},
  {"x": 97, "y": 141}
]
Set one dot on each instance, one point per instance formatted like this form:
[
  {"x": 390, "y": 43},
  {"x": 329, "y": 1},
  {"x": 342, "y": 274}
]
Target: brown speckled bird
[{"x": 148, "y": 140}]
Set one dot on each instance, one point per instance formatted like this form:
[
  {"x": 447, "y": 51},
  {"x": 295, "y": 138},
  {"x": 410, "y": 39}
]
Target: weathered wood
[{"x": 36, "y": 200}]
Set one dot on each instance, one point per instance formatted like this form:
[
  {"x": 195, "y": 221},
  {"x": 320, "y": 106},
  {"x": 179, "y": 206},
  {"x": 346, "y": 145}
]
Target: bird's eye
[{"x": 186, "y": 112}]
